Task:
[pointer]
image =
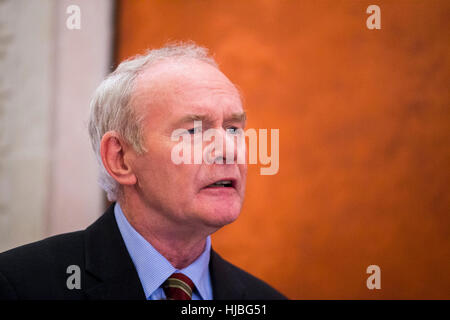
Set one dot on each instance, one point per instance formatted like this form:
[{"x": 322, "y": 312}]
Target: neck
[{"x": 179, "y": 245}]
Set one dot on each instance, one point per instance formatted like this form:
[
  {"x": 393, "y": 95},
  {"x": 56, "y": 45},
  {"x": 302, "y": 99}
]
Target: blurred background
[{"x": 364, "y": 120}]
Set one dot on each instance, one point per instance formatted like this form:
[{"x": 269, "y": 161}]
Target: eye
[
  {"x": 233, "y": 130},
  {"x": 195, "y": 130}
]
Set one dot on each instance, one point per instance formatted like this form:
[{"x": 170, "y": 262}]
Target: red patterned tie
[{"x": 178, "y": 287}]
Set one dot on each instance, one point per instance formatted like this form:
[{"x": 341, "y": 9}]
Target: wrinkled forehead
[
  {"x": 182, "y": 78},
  {"x": 181, "y": 73}
]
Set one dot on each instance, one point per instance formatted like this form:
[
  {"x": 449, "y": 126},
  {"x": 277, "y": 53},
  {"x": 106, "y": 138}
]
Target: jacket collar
[
  {"x": 108, "y": 261},
  {"x": 114, "y": 277},
  {"x": 225, "y": 281}
]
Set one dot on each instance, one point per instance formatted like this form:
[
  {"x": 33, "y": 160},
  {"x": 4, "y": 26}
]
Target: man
[{"x": 154, "y": 241}]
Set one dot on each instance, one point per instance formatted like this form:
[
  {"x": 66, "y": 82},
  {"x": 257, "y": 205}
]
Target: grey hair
[{"x": 111, "y": 108}]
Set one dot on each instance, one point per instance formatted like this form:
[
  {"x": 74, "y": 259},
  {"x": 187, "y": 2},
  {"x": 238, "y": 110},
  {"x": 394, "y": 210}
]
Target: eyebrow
[{"x": 235, "y": 117}]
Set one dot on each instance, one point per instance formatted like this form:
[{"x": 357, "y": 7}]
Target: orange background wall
[{"x": 364, "y": 121}]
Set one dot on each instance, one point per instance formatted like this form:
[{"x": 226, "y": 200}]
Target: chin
[{"x": 220, "y": 217}]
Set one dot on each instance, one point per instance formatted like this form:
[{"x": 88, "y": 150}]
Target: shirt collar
[{"x": 153, "y": 268}]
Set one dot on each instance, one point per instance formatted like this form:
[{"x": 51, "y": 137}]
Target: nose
[{"x": 227, "y": 148}]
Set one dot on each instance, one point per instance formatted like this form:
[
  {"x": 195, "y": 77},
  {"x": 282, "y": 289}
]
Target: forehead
[{"x": 184, "y": 87}]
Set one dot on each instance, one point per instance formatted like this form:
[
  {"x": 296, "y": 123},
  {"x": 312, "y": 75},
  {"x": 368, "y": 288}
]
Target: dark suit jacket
[{"x": 39, "y": 270}]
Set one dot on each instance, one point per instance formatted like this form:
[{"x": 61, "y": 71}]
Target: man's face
[{"x": 183, "y": 193}]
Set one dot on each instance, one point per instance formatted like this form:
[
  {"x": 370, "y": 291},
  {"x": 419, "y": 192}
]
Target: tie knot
[{"x": 178, "y": 287}]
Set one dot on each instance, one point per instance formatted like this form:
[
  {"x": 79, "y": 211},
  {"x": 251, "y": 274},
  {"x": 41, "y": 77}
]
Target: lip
[
  {"x": 221, "y": 192},
  {"x": 234, "y": 184}
]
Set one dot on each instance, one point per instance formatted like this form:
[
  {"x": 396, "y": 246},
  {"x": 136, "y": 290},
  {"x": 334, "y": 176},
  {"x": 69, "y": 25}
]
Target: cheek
[
  {"x": 243, "y": 172},
  {"x": 154, "y": 168},
  {"x": 183, "y": 176},
  {"x": 166, "y": 186}
]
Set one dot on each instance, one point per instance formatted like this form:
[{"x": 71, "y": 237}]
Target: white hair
[{"x": 111, "y": 107}]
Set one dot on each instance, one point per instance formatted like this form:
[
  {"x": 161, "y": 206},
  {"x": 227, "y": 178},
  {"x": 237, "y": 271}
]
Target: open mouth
[{"x": 221, "y": 184}]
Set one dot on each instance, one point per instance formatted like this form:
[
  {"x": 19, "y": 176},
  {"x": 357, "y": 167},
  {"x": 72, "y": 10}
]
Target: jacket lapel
[
  {"x": 226, "y": 284},
  {"x": 111, "y": 275},
  {"x": 110, "y": 272}
]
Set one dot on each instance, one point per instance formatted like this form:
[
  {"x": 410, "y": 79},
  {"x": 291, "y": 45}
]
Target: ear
[{"x": 112, "y": 151}]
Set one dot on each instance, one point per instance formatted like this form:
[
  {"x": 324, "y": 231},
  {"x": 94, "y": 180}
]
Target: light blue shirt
[{"x": 153, "y": 268}]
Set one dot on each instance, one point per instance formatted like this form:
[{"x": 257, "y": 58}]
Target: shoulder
[
  {"x": 47, "y": 251},
  {"x": 238, "y": 281},
  {"x": 36, "y": 267}
]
